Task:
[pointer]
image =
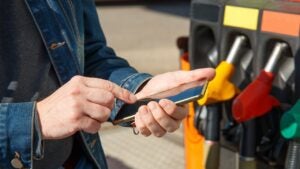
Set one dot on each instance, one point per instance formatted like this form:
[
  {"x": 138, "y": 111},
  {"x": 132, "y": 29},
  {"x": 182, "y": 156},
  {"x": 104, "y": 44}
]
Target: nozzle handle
[{"x": 290, "y": 122}]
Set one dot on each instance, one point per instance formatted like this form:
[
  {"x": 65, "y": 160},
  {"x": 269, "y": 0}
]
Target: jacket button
[
  {"x": 56, "y": 45},
  {"x": 16, "y": 162}
]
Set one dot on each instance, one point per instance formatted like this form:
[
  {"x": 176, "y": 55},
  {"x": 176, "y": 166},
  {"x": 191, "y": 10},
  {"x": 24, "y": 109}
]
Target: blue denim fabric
[
  {"x": 76, "y": 46},
  {"x": 15, "y": 132}
]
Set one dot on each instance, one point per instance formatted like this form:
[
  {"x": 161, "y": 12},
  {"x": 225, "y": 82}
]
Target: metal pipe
[
  {"x": 233, "y": 53},
  {"x": 275, "y": 56},
  {"x": 213, "y": 56}
]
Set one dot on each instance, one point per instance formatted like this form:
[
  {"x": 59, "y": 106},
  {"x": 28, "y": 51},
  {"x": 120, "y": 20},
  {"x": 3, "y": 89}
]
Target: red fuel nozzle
[{"x": 255, "y": 100}]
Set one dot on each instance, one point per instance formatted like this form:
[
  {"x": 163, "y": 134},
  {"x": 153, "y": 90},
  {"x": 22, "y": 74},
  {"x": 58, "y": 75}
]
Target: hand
[
  {"x": 164, "y": 116},
  {"x": 169, "y": 80},
  {"x": 81, "y": 104}
]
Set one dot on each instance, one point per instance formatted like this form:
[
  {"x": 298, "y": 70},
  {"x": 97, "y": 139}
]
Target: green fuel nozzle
[{"x": 290, "y": 122}]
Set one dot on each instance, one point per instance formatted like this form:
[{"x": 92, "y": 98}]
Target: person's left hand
[{"x": 158, "y": 118}]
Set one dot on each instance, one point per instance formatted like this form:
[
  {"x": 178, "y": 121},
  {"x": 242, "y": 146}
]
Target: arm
[
  {"x": 74, "y": 106},
  {"x": 102, "y": 62}
]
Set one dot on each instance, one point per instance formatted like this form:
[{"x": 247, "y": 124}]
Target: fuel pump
[
  {"x": 255, "y": 101},
  {"x": 220, "y": 89}
]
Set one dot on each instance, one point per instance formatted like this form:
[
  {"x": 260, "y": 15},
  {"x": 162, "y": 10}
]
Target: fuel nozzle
[
  {"x": 220, "y": 88},
  {"x": 290, "y": 129},
  {"x": 256, "y": 100},
  {"x": 290, "y": 123}
]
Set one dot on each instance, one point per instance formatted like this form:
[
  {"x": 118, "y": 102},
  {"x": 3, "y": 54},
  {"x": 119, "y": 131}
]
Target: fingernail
[
  {"x": 152, "y": 105},
  {"x": 163, "y": 102}
]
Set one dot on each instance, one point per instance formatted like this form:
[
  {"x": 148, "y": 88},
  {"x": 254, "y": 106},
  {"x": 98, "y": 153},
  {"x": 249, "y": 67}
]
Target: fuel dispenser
[
  {"x": 273, "y": 90},
  {"x": 205, "y": 52},
  {"x": 243, "y": 17},
  {"x": 256, "y": 100},
  {"x": 206, "y": 21},
  {"x": 253, "y": 45}
]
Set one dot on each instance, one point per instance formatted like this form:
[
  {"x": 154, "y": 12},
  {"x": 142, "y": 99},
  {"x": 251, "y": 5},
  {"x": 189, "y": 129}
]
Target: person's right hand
[{"x": 81, "y": 104}]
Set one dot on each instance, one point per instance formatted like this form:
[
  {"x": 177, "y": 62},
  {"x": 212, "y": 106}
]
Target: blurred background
[{"x": 145, "y": 33}]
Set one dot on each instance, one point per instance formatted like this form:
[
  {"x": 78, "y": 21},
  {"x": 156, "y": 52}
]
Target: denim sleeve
[
  {"x": 101, "y": 61},
  {"x": 16, "y": 121}
]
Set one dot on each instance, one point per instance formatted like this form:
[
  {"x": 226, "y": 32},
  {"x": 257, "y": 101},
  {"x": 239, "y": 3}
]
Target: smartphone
[{"x": 187, "y": 93}]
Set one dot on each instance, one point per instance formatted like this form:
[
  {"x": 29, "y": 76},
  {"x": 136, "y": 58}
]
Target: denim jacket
[{"x": 76, "y": 46}]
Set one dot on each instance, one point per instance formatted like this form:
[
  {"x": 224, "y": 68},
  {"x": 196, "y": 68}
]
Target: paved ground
[{"x": 128, "y": 151}]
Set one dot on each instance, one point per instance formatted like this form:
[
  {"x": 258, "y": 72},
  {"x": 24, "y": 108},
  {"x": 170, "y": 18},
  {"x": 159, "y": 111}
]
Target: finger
[
  {"x": 89, "y": 125},
  {"x": 195, "y": 75},
  {"x": 165, "y": 121},
  {"x": 116, "y": 90},
  {"x": 99, "y": 96},
  {"x": 203, "y": 74},
  {"x": 141, "y": 126},
  {"x": 174, "y": 111},
  {"x": 96, "y": 112},
  {"x": 148, "y": 119}
]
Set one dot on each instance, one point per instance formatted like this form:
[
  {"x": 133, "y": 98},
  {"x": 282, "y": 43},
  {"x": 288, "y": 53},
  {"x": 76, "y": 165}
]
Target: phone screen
[{"x": 186, "y": 96}]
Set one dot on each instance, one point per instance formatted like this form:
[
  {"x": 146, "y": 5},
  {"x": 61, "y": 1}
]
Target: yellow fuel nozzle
[{"x": 220, "y": 88}]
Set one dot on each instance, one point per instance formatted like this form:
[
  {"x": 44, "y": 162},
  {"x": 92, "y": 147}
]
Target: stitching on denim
[
  {"x": 74, "y": 19},
  {"x": 66, "y": 16}
]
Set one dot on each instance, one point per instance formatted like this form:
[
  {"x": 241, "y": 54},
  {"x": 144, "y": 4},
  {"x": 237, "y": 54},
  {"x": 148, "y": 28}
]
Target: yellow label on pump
[{"x": 241, "y": 17}]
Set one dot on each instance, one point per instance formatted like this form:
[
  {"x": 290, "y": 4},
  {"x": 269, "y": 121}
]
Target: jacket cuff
[
  {"x": 19, "y": 130},
  {"x": 132, "y": 83}
]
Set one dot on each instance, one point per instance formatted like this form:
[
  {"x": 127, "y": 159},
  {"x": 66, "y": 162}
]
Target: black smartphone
[{"x": 187, "y": 93}]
